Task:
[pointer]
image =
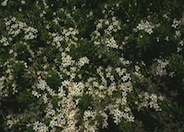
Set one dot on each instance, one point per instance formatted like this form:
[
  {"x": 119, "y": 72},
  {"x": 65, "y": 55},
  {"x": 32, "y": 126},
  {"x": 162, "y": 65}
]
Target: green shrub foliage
[{"x": 91, "y": 65}]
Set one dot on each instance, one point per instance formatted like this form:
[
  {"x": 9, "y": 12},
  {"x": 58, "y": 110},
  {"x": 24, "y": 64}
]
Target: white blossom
[
  {"x": 4, "y": 3},
  {"x": 145, "y": 26}
]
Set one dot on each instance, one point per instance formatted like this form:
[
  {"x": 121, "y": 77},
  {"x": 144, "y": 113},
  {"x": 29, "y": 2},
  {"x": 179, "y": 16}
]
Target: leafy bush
[{"x": 88, "y": 65}]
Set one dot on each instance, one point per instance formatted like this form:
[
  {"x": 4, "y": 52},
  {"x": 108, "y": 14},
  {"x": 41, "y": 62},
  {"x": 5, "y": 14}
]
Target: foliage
[{"x": 91, "y": 65}]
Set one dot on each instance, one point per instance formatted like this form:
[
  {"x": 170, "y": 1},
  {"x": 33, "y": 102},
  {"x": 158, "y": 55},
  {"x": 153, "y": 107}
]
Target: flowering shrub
[{"x": 86, "y": 66}]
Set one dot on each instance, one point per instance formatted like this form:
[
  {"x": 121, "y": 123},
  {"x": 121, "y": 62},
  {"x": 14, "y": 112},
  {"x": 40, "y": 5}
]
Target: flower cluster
[
  {"x": 104, "y": 29},
  {"x": 71, "y": 93},
  {"x": 150, "y": 100},
  {"x": 161, "y": 67},
  {"x": 180, "y": 47},
  {"x": 4, "y": 3},
  {"x": 145, "y": 26},
  {"x": 4, "y": 41},
  {"x": 40, "y": 127},
  {"x": 15, "y": 27},
  {"x": 176, "y": 23}
]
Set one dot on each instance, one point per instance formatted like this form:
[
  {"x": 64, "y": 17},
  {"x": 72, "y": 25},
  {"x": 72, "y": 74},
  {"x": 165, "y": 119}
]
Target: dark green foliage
[
  {"x": 21, "y": 68},
  {"x": 85, "y": 102},
  {"x": 53, "y": 80}
]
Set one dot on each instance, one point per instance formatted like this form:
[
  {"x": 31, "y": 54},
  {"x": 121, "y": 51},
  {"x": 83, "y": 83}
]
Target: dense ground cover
[{"x": 91, "y": 65}]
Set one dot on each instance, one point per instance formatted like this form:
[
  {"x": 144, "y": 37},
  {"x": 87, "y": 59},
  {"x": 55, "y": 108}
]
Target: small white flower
[
  {"x": 40, "y": 127},
  {"x": 83, "y": 61},
  {"x": 4, "y": 41},
  {"x": 4, "y": 3},
  {"x": 176, "y": 23},
  {"x": 145, "y": 26},
  {"x": 23, "y": 2},
  {"x": 99, "y": 25},
  {"x": 178, "y": 33}
]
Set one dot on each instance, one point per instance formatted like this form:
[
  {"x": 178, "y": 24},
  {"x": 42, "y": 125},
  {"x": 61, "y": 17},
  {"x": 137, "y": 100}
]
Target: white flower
[
  {"x": 161, "y": 98},
  {"x": 4, "y": 3},
  {"x": 181, "y": 43},
  {"x": 176, "y": 23},
  {"x": 66, "y": 60},
  {"x": 150, "y": 100},
  {"x": 11, "y": 121},
  {"x": 145, "y": 26},
  {"x": 40, "y": 127},
  {"x": 4, "y": 41},
  {"x": 15, "y": 27},
  {"x": 99, "y": 25},
  {"x": 178, "y": 33},
  {"x": 83, "y": 61},
  {"x": 42, "y": 84},
  {"x": 30, "y": 33},
  {"x": 161, "y": 67},
  {"x": 117, "y": 116},
  {"x": 89, "y": 114},
  {"x": 111, "y": 43},
  {"x": 36, "y": 94},
  {"x": 23, "y": 2}
]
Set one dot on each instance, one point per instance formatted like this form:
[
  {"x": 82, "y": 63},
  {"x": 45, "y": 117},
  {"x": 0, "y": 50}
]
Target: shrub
[{"x": 106, "y": 65}]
